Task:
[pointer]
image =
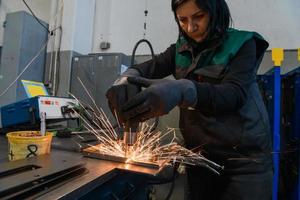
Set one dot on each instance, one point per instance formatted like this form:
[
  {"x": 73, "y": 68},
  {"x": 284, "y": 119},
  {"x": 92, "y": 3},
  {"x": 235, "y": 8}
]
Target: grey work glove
[
  {"x": 120, "y": 92},
  {"x": 159, "y": 98},
  {"x": 122, "y": 79}
]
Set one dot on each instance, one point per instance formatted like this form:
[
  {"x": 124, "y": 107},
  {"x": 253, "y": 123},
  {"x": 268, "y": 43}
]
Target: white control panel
[{"x": 53, "y": 107}]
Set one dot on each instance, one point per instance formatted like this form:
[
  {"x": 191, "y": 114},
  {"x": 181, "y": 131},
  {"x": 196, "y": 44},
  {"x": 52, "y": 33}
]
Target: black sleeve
[
  {"x": 231, "y": 93},
  {"x": 164, "y": 65}
]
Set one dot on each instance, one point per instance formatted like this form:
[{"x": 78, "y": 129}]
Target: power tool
[{"x": 130, "y": 136}]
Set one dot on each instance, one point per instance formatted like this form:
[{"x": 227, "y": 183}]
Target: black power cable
[
  {"x": 37, "y": 19},
  {"x": 151, "y": 49},
  {"x": 151, "y": 70}
]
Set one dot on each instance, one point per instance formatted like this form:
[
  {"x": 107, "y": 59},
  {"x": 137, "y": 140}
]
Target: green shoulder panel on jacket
[
  {"x": 184, "y": 59},
  {"x": 232, "y": 44},
  {"x": 225, "y": 52}
]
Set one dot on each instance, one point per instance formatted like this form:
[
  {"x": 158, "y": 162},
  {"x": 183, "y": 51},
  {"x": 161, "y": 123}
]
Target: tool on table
[
  {"x": 43, "y": 123},
  {"x": 120, "y": 96}
]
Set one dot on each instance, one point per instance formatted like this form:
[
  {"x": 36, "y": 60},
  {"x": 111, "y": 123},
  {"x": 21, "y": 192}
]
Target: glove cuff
[
  {"x": 131, "y": 72},
  {"x": 189, "y": 94},
  {"x": 122, "y": 79}
]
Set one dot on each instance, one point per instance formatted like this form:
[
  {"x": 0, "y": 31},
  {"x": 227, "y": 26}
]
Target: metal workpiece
[{"x": 94, "y": 153}]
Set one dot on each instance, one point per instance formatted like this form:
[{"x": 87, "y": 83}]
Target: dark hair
[{"x": 220, "y": 18}]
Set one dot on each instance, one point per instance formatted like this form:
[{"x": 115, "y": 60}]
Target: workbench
[{"x": 100, "y": 180}]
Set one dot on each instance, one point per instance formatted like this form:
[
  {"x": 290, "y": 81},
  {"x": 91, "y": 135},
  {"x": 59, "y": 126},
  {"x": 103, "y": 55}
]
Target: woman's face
[{"x": 193, "y": 20}]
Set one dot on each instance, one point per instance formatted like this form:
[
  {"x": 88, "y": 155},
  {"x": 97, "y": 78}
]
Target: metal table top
[{"x": 99, "y": 171}]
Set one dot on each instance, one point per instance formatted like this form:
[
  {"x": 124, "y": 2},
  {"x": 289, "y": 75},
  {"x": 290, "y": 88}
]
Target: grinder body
[{"x": 130, "y": 136}]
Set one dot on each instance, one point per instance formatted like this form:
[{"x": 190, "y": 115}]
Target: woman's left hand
[{"x": 159, "y": 98}]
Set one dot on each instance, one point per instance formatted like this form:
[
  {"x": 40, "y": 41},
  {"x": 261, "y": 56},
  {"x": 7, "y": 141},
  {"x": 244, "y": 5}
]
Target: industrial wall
[
  {"x": 121, "y": 23},
  {"x": 277, "y": 20},
  {"x": 124, "y": 25},
  {"x": 88, "y": 23},
  {"x": 40, "y": 7}
]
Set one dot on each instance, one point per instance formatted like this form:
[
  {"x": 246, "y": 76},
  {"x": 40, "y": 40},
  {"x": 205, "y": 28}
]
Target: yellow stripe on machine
[{"x": 277, "y": 56}]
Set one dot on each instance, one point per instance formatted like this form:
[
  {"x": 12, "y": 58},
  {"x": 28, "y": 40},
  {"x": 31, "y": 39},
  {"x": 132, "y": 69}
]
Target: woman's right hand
[{"x": 120, "y": 92}]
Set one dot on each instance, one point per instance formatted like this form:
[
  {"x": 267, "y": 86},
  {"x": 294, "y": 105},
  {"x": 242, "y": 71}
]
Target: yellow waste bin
[{"x": 26, "y": 144}]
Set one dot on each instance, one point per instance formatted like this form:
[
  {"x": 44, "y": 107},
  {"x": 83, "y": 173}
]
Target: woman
[{"x": 221, "y": 109}]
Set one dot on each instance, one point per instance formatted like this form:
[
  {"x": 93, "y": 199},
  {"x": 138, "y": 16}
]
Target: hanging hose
[
  {"x": 151, "y": 70},
  {"x": 152, "y": 53}
]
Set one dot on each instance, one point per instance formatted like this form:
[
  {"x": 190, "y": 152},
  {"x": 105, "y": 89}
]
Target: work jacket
[{"x": 229, "y": 121}]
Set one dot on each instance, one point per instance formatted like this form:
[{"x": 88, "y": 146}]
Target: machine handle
[
  {"x": 113, "y": 196},
  {"x": 11, "y": 109},
  {"x": 25, "y": 104},
  {"x": 130, "y": 189},
  {"x": 31, "y": 111}
]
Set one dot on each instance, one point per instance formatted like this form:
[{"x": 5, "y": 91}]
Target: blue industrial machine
[
  {"x": 291, "y": 99},
  {"x": 291, "y": 130},
  {"x": 289, "y": 125},
  {"x": 266, "y": 85},
  {"x": 28, "y": 111}
]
